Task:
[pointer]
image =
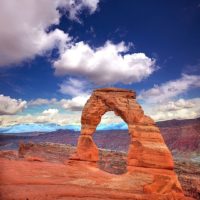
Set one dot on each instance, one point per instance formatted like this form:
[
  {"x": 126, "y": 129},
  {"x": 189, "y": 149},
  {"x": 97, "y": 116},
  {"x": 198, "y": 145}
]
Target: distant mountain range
[
  {"x": 50, "y": 127},
  {"x": 181, "y": 136}
]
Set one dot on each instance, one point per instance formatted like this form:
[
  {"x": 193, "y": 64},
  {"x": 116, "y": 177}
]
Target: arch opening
[{"x": 113, "y": 140}]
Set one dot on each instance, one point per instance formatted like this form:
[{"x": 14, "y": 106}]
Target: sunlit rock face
[
  {"x": 147, "y": 148},
  {"x": 148, "y": 157}
]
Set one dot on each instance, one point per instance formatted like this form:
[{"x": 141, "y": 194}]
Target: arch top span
[
  {"x": 122, "y": 102},
  {"x": 147, "y": 148},
  {"x": 113, "y": 89}
]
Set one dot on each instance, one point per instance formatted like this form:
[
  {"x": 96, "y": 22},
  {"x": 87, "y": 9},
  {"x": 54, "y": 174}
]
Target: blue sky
[{"x": 54, "y": 53}]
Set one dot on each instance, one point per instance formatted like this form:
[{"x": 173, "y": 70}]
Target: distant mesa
[{"x": 148, "y": 155}]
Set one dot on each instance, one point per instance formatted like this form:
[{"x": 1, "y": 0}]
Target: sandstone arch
[{"x": 147, "y": 148}]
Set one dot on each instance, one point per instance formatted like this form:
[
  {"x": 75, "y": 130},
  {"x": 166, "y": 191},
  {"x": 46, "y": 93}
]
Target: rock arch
[{"x": 147, "y": 148}]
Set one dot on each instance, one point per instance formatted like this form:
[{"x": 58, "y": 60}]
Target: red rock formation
[
  {"x": 149, "y": 173},
  {"x": 148, "y": 155},
  {"x": 147, "y": 147}
]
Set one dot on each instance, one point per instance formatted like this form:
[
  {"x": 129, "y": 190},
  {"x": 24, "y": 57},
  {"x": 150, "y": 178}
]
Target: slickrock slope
[{"x": 40, "y": 171}]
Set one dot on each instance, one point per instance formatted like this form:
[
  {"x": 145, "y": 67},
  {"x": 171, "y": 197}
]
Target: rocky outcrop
[
  {"x": 53, "y": 178},
  {"x": 148, "y": 156}
]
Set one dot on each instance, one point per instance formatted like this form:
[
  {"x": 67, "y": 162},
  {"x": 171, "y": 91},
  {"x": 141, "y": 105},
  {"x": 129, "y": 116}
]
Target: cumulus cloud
[
  {"x": 50, "y": 111},
  {"x": 179, "y": 104},
  {"x": 177, "y": 109},
  {"x": 59, "y": 118},
  {"x": 170, "y": 89},
  {"x": 74, "y": 87},
  {"x": 41, "y": 101},
  {"x": 165, "y": 101},
  {"x": 25, "y": 27},
  {"x": 74, "y": 7},
  {"x": 108, "y": 64},
  {"x": 9, "y": 106},
  {"x": 74, "y": 104},
  {"x": 111, "y": 118},
  {"x": 31, "y": 32}
]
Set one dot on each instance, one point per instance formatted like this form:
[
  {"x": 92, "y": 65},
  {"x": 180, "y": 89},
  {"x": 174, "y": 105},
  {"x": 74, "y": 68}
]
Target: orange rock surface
[
  {"x": 22, "y": 179},
  {"x": 148, "y": 155}
]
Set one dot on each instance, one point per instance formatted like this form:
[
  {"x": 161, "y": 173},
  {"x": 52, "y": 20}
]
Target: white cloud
[
  {"x": 25, "y": 25},
  {"x": 165, "y": 101},
  {"x": 111, "y": 118},
  {"x": 75, "y": 104},
  {"x": 178, "y": 105},
  {"x": 189, "y": 108},
  {"x": 108, "y": 64},
  {"x": 40, "y": 101},
  {"x": 74, "y": 7},
  {"x": 50, "y": 111},
  {"x": 9, "y": 106},
  {"x": 51, "y": 115},
  {"x": 177, "y": 109},
  {"x": 170, "y": 89},
  {"x": 61, "y": 119},
  {"x": 74, "y": 87}
]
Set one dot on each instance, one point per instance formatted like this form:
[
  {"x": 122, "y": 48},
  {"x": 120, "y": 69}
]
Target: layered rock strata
[
  {"x": 147, "y": 148},
  {"x": 148, "y": 157}
]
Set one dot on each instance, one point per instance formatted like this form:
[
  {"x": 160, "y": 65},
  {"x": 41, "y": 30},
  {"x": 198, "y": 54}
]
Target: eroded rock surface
[
  {"x": 148, "y": 157},
  {"x": 51, "y": 177}
]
